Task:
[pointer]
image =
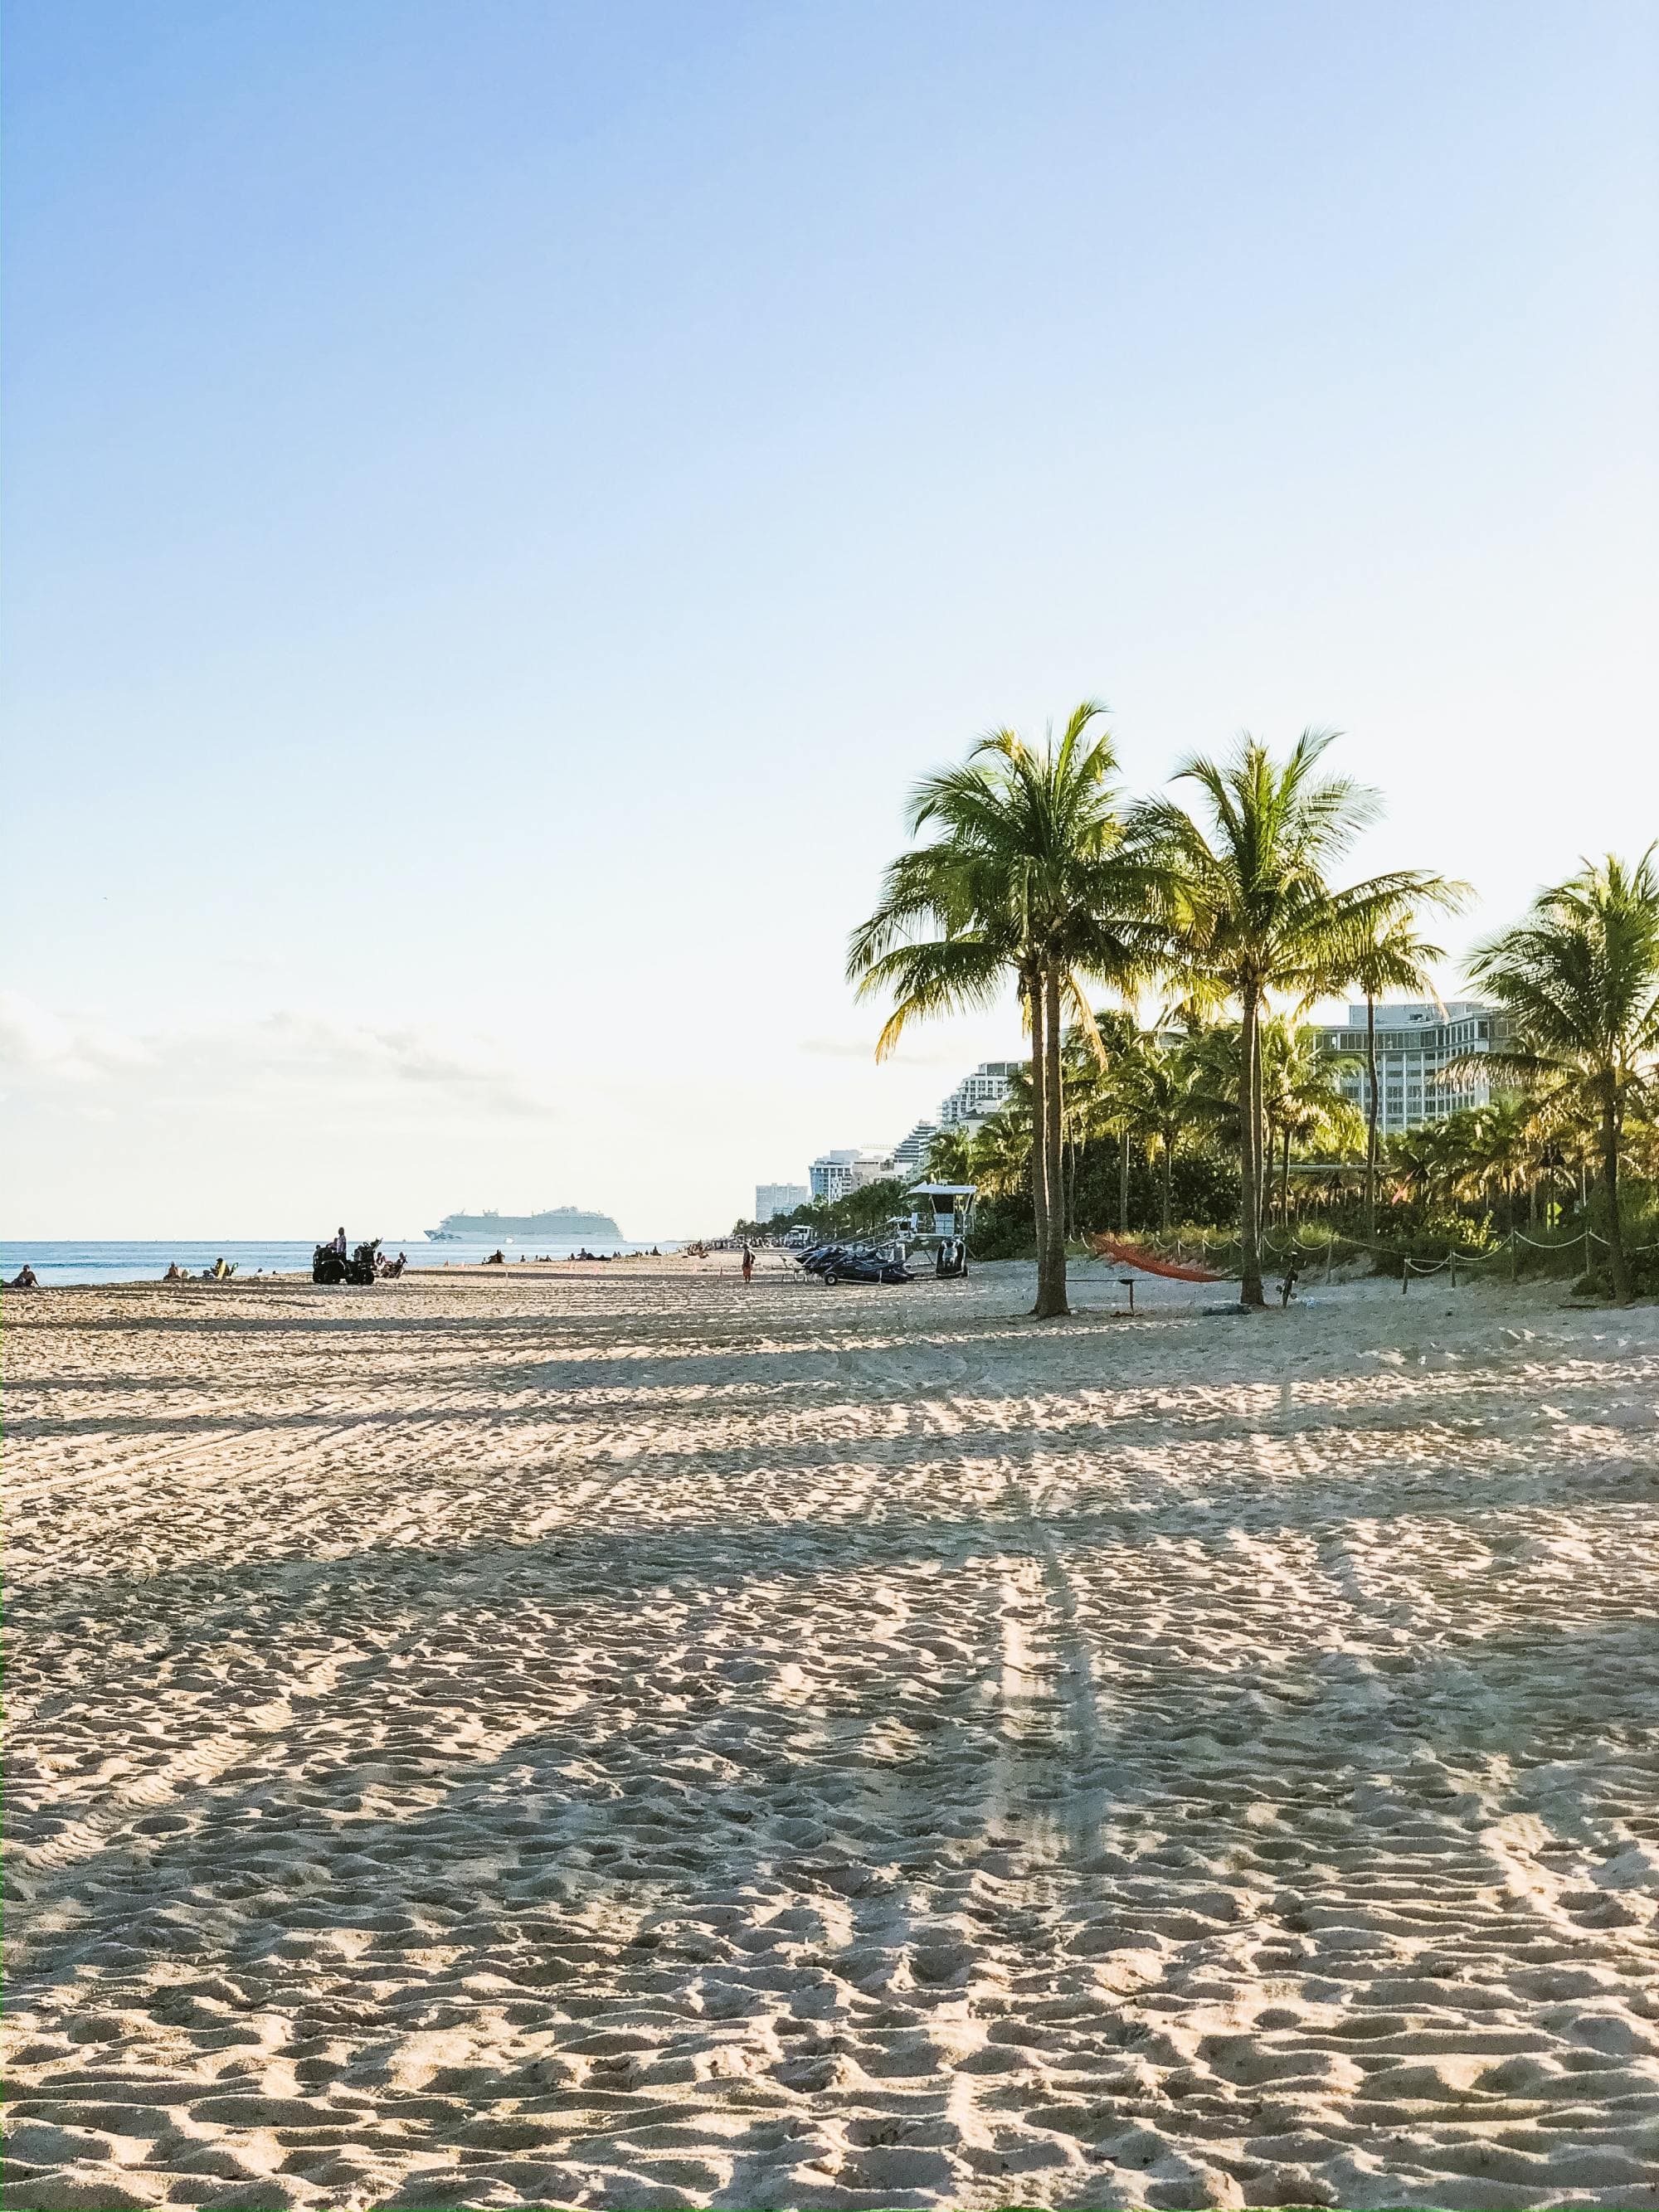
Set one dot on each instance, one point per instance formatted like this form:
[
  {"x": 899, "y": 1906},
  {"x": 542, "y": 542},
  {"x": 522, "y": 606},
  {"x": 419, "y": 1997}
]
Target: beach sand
[{"x": 596, "y": 1736}]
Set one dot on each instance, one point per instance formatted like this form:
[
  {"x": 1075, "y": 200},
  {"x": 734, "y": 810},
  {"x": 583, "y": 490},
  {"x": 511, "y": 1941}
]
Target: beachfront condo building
[
  {"x": 833, "y": 1174},
  {"x": 1415, "y": 1045},
  {"x": 978, "y": 1095},
  {"x": 910, "y": 1155},
  {"x": 772, "y": 1199}
]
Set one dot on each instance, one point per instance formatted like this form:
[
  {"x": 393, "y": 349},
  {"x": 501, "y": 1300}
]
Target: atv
[{"x": 328, "y": 1265}]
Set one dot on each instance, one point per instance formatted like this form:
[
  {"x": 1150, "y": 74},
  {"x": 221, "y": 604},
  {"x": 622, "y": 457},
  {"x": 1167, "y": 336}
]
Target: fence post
[
  {"x": 1451, "y": 1262},
  {"x": 1405, "y": 1276},
  {"x": 1513, "y": 1269}
]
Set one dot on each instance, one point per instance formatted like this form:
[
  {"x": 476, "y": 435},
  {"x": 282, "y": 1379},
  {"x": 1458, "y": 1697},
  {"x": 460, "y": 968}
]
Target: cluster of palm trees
[
  {"x": 1502, "y": 1160},
  {"x": 1034, "y": 868},
  {"x": 1161, "y": 1096}
]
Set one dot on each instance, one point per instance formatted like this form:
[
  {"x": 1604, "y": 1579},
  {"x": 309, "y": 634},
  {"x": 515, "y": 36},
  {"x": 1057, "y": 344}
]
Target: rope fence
[{"x": 1409, "y": 1267}]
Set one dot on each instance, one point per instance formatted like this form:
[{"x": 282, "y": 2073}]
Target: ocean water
[{"x": 71, "y": 1260}]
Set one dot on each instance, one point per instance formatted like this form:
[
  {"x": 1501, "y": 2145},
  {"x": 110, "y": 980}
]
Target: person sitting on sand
[
  {"x": 497, "y": 1259},
  {"x": 174, "y": 1273},
  {"x": 24, "y": 1280}
]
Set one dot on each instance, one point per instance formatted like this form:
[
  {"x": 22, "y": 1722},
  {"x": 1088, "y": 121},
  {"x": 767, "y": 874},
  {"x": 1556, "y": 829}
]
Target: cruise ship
[{"x": 558, "y": 1225}]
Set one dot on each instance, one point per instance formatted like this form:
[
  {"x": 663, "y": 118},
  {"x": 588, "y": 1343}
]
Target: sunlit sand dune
[{"x": 606, "y": 1738}]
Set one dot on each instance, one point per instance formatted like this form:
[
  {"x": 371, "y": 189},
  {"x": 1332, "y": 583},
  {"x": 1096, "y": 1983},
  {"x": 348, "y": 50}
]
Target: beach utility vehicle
[{"x": 328, "y": 1265}]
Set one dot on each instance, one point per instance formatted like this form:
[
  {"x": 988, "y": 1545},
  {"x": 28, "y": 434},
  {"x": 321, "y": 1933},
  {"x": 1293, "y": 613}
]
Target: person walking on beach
[{"x": 748, "y": 1264}]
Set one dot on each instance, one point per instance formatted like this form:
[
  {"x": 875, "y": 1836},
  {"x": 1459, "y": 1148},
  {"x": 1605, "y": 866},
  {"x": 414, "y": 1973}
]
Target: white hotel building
[
  {"x": 1414, "y": 1045},
  {"x": 772, "y": 1199},
  {"x": 833, "y": 1174},
  {"x": 978, "y": 1095}
]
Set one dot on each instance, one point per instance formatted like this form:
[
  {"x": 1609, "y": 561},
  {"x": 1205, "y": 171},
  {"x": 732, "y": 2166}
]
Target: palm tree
[
  {"x": 1097, "y": 1063},
  {"x": 1251, "y": 915},
  {"x": 1390, "y": 955},
  {"x": 1579, "y": 981},
  {"x": 999, "y": 1156},
  {"x": 1167, "y": 1094},
  {"x": 950, "y": 1155},
  {"x": 1301, "y": 1096},
  {"x": 1026, "y": 877},
  {"x": 1427, "y": 1161},
  {"x": 1500, "y": 1150}
]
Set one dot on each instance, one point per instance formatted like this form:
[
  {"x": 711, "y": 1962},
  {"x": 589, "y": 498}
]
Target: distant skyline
[{"x": 504, "y": 503}]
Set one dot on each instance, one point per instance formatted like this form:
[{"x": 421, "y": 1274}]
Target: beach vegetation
[
  {"x": 1251, "y": 918},
  {"x": 1578, "y": 978},
  {"x": 1227, "y": 1109},
  {"x": 1390, "y": 954},
  {"x": 1024, "y": 875},
  {"x": 866, "y": 1213}
]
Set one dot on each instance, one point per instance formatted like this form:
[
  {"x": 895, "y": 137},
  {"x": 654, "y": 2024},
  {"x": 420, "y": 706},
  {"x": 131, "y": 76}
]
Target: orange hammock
[{"x": 1131, "y": 1255}]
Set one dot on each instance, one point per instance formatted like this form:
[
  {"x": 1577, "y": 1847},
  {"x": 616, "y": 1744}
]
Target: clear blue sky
[{"x": 504, "y": 499}]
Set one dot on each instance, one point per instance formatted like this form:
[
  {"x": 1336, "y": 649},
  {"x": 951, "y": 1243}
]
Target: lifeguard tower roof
[{"x": 941, "y": 1190}]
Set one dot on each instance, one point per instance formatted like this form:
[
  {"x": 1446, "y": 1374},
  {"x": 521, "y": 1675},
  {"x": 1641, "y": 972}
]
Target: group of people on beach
[{"x": 498, "y": 1258}]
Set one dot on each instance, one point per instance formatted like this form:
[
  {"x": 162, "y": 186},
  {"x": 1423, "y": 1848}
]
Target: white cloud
[
  {"x": 33, "y": 1040},
  {"x": 394, "y": 1057},
  {"x": 939, "y": 1052},
  {"x": 41, "y": 1052}
]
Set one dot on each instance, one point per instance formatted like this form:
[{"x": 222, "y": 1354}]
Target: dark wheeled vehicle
[{"x": 328, "y": 1265}]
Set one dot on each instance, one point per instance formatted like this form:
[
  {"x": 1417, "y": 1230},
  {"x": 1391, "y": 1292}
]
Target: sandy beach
[{"x": 596, "y": 1736}]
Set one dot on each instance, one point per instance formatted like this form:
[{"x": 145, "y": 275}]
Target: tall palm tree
[
  {"x": 1026, "y": 877},
  {"x": 1579, "y": 981},
  {"x": 1390, "y": 955},
  {"x": 1251, "y": 914}
]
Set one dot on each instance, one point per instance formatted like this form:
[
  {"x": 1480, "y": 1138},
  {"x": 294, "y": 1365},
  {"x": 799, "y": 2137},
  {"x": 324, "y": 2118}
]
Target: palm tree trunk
[
  {"x": 1123, "y": 1180},
  {"x": 1051, "y": 1265},
  {"x": 1370, "y": 1116},
  {"x": 1033, "y": 988},
  {"x": 1169, "y": 1167},
  {"x": 1618, "y": 1265},
  {"x": 1285, "y": 1187},
  {"x": 1249, "y": 1151}
]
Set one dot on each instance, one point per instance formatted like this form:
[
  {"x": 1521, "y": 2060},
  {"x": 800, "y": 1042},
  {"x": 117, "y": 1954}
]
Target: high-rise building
[
  {"x": 833, "y": 1174},
  {"x": 1415, "y": 1044},
  {"x": 978, "y": 1095},
  {"x": 772, "y": 1199},
  {"x": 910, "y": 1156}
]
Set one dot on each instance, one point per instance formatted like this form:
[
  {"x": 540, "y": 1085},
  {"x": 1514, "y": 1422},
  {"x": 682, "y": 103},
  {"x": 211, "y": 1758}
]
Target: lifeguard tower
[{"x": 940, "y": 1222}]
